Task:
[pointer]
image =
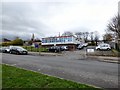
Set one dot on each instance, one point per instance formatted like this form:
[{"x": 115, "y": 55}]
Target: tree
[
  {"x": 91, "y": 36},
  {"x": 85, "y": 36},
  {"x": 17, "y": 41},
  {"x": 96, "y": 37},
  {"x": 67, "y": 33},
  {"x": 114, "y": 26},
  {"x": 79, "y": 35},
  {"x": 107, "y": 37}
]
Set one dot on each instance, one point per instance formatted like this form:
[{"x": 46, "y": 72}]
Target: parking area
[
  {"x": 83, "y": 52},
  {"x": 99, "y": 52}
]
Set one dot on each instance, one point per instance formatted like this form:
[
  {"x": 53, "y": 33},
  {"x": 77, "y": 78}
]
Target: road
[{"x": 100, "y": 74}]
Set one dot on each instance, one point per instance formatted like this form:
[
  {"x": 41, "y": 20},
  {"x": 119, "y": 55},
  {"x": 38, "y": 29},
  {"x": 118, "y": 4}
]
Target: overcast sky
[{"x": 49, "y": 17}]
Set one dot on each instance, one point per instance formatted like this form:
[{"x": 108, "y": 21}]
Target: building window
[{"x": 69, "y": 39}]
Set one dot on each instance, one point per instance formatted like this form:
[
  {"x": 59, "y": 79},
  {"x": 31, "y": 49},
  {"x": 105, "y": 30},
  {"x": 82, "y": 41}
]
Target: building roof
[
  {"x": 5, "y": 40},
  {"x": 58, "y": 37}
]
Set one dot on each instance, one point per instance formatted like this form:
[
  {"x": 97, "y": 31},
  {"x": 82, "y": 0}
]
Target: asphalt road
[{"x": 100, "y": 74}]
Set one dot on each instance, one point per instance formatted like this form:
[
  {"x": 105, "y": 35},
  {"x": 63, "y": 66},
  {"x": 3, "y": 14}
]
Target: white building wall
[{"x": 74, "y": 41}]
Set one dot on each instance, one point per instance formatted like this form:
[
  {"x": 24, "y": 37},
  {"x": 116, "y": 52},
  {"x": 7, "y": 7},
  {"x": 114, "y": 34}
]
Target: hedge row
[{"x": 14, "y": 42}]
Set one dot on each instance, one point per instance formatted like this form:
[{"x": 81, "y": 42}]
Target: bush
[
  {"x": 6, "y": 43},
  {"x": 17, "y": 42}
]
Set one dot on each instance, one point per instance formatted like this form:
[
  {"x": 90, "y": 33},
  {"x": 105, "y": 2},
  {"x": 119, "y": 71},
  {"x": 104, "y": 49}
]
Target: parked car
[
  {"x": 55, "y": 49},
  {"x": 18, "y": 50},
  {"x": 81, "y": 46},
  {"x": 2, "y": 49},
  {"x": 85, "y": 44},
  {"x": 103, "y": 46},
  {"x": 64, "y": 48}
]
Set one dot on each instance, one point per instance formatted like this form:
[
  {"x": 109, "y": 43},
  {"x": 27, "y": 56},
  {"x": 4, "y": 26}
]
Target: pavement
[
  {"x": 76, "y": 55},
  {"x": 106, "y": 59}
]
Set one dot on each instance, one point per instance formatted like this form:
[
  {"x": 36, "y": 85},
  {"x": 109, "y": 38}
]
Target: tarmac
[{"x": 98, "y": 58}]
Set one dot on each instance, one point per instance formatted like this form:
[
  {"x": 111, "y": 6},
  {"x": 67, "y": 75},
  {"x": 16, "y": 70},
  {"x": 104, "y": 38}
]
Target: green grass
[
  {"x": 0, "y": 76},
  {"x": 116, "y": 53},
  {"x": 19, "y": 78},
  {"x": 33, "y": 49}
]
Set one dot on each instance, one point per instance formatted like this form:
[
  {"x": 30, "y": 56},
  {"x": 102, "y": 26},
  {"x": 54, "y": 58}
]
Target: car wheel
[
  {"x": 98, "y": 49},
  {"x": 55, "y": 51},
  {"x": 108, "y": 49},
  {"x": 17, "y": 53},
  {"x": 5, "y": 51}
]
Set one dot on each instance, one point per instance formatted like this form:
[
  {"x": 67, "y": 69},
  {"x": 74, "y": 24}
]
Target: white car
[
  {"x": 103, "y": 47},
  {"x": 8, "y": 48},
  {"x": 64, "y": 47},
  {"x": 85, "y": 44},
  {"x": 81, "y": 46}
]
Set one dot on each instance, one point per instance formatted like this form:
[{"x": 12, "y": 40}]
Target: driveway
[{"x": 100, "y": 74}]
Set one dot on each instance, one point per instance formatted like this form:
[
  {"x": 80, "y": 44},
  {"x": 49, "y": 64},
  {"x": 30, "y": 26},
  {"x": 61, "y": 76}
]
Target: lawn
[
  {"x": 0, "y": 76},
  {"x": 19, "y": 78}
]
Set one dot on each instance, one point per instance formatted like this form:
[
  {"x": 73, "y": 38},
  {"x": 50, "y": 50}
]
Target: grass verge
[
  {"x": 19, "y": 78},
  {"x": 116, "y": 53}
]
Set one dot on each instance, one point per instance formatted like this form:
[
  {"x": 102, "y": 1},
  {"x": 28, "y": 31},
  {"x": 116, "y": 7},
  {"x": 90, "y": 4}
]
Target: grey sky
[{"x": 49, "y": 17}]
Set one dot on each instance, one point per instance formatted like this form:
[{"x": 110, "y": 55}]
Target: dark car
[
  {"x": 55, "y": 49},
  {"x": 18, "y": 50}
]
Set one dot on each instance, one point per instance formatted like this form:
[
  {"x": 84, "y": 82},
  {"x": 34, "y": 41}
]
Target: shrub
[
  {"x": 6, "y": 43},
  {"x": 17, "y": 42}
]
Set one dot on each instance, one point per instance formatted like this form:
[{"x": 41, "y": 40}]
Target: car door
[
  {"x": 104, "y": 47},
  {"x": 13, "y": 50}
]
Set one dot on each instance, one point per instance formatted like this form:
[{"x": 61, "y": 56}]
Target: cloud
[{"x": 49, "y": 17}]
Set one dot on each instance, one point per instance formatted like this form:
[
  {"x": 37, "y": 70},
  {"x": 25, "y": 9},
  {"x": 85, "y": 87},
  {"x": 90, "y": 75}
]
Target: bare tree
[
  {"x": 85, "y": 36},
  {"x": 79, "y": 35},
  {"x": 107, "y": 37},
  {"x": 67, "y": 33},
  {"x": 114, "y": 26},
  {"x": 91, "y": 36},
  {"x": 96, "y": 37}
]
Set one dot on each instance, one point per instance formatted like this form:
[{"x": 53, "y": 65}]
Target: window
[{"x": 69, "y": 39}]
